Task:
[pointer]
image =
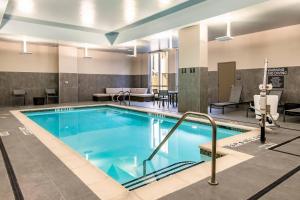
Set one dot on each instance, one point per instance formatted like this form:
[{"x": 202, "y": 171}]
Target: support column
[
  {"x": 193, "y": 69},
  {"x": 68, "y": 74}
]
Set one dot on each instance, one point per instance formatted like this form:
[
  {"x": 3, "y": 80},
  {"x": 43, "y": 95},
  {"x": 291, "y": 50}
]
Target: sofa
[
  {"x": 140, "y": 94},
  {"x": 136, "y": 94}
]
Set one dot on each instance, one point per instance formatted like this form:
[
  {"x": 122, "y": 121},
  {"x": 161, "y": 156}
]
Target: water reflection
[{"x": 158, "y": 133}]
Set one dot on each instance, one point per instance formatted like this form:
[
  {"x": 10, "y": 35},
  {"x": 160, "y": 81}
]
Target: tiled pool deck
[{"x": 41, "y": 175}]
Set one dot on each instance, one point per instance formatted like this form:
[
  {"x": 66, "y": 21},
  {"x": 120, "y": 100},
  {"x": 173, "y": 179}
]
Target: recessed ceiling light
[
  {"x": 25, "y": 6},
  {"x": 164, "y": 2},
  {"x": 129, "y": 10},
  {"x": 87, "y": 13}
]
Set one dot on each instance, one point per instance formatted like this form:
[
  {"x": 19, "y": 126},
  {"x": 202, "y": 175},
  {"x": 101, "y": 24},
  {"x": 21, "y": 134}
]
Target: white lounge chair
[{"x": 234, "y": 99}]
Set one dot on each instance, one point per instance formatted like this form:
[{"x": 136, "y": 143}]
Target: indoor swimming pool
[{"x": 118, "y": 140}]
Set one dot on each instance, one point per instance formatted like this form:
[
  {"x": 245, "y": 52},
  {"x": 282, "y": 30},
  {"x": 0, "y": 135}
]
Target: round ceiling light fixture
[{"x": 25, "y": 6}]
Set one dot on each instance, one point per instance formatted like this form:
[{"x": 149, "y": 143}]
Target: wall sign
[
  {"x": 276, "y": 81},
  {"x": 278, "y": 71},
  {"x": 276, "y": 76}
]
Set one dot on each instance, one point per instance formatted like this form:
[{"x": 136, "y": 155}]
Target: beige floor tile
[
  {"x": 89, "y": 175},
  {"x": 108, "y": 189},
  {"x": 159, "y": 189}
]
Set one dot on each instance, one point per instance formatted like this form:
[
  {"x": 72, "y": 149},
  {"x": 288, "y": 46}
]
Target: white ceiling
[
  {"x": 265, "y": 16},
  {"x": 85, "y": 22},
  {"x": 106, "y": 15}
]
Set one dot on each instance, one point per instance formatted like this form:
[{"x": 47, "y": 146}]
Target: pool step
[{"x": 159, "y": 174}]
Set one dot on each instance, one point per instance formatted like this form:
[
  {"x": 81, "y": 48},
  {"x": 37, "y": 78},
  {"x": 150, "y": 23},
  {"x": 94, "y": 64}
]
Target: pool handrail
[
  {"x": 123, "y": 93},
  {"x": 212, "y": 180}
]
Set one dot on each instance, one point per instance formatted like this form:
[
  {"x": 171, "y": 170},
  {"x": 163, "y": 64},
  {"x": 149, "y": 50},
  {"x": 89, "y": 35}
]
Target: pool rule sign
[{"x": 276, "y": 76}]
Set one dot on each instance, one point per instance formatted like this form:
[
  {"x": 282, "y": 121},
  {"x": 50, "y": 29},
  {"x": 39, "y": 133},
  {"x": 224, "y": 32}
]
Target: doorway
[{"x": 226, "y": 77}]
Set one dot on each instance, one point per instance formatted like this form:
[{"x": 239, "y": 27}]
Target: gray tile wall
[
  {"x": 33, "y": 83},
  {"x": 192, "y": 90},
  {"x": 68, "y": 87},
  {"x": 172, "y": 81},
  {"x": 212, "y": 86},
  {"x": 251, "y": 78},
  {"x": 87, "y": 84},
  {"x": 80, "y": 87},
  {"x": 144, "y": 81}
]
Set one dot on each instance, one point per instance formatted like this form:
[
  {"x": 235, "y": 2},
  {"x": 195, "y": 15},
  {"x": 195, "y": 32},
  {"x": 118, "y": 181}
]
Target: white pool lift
[{"x": 265, "y": 105}]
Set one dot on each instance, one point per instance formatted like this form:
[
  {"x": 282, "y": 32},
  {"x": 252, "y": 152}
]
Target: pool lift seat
[{"x": 272, "y": 103}]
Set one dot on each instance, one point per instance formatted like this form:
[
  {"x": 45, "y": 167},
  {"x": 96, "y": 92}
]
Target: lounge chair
[
  {"x": 234, "y": 99},
  {"x": 51, "y": 94},
  {"x": 136, "y": 94},
  {"x": 20, "y": 93},
  {"x": 292, "y": 109},
  {"x": 114, "y": 93},
  {"x": 140, "y": 94},
  {"x": 108, "y": 95},
  {"x": 101, "y": 97}
]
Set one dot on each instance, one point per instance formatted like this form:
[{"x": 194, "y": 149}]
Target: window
[{"x": 159, "y": 70}]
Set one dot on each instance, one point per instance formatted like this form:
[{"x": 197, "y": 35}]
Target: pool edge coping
[{"x": 106, "y": 188}]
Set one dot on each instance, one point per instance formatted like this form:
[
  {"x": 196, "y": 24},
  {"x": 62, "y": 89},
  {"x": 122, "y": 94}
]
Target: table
[
  {"x": 38, "y": 100},
  {"x": 173, "y": 97}
]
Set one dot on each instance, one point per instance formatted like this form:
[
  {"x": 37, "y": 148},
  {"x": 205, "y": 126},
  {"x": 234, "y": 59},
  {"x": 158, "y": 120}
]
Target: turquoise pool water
[{"x": 118, "y": 140}]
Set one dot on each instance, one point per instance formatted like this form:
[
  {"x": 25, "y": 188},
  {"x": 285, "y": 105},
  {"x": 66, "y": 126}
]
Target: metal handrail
[
  {"x": 123, "y": 94},
  {"x": 212, "y": 180},
  {"x": 116, "y": 95}
]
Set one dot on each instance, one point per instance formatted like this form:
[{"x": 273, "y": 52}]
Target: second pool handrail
[{"x": 212, "y": 180}]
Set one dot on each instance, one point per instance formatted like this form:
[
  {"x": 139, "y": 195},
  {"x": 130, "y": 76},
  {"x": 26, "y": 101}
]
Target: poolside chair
[
  {"x": 156, "y": 96},
  {"x": 163, "y": 97},
  {"x": 234, "y": 99},
  {"x": 20, "y": 93},
  {"x": 50, "y": 93},
  {"x": 292, "y": 109}
]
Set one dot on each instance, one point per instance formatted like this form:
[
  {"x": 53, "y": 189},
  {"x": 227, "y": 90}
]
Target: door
[{"x": 226, "y": 77}]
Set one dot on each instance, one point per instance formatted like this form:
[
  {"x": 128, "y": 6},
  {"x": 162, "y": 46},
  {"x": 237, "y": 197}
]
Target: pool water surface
[{"x": 118, "y": 140}]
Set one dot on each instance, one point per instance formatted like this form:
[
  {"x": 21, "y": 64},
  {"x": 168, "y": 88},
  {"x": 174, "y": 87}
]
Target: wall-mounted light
[
  {"x": 134, "y": 51},
  {"x": 171, "y": 42},
  {"x": 228, "y": 36},
  {"x": 86, "y": 53},
  {"x": 24, "y": 48}
]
